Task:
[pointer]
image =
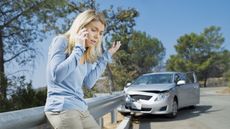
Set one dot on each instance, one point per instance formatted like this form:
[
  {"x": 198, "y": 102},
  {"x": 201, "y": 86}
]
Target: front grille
[
  {"x": 146, "y": 109},
  {"x": 142, "y": 109},
  {"x": 143, "y": 97}
]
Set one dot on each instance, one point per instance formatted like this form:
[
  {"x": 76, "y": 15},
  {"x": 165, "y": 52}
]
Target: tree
[
  {"x": 25, "y": 23},
  {"x": 139, "y": 54},
  {"x": 120, "y": 22},
  {"x": 227, "y": 77},
  {"x": 145, "y": 51},
  {"x": 202, "y": 53},
  {"x": 23, "y": 96},
  {"x": 227, "y": 68}
]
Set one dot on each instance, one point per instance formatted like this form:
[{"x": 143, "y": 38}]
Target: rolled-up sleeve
[
  {"x": 59, "y": 64},
  {"x": 94, "y": 74}
]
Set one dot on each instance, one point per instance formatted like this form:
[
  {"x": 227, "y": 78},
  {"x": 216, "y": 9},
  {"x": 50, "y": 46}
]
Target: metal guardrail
[{"x": 33, "y": 117}]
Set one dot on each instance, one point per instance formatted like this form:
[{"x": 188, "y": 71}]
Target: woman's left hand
[{"x": 115, "y": 46}]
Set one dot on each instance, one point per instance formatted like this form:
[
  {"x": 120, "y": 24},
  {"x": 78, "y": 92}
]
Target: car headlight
[
  {"x": 162, "y": 96},
  {"x": 125, "y": 89},
  {"x": 128, "y": 98}
]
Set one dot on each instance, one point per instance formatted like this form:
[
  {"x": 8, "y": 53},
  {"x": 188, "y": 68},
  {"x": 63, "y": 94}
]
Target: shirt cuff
[
  {"x": 107, "y": 57},
  {"x": 79, "y": 46}
]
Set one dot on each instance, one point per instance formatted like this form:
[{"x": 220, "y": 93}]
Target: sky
[{"x": 166, "y": 20}]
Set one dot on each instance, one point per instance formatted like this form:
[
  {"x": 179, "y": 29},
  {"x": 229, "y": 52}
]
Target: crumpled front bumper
[{"x": 148, "y": 106}]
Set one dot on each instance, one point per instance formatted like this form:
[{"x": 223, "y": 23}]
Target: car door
[
  {"x": 182, "y": 91},
  {"x": 194, "y": 88},
  {"x": 189, "y": 90},
  {"x": 196, "y": 93}
]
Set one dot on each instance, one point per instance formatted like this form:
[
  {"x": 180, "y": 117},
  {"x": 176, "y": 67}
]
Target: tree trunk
[
  {"x": 111, "y": 81},
  {"x": 205, "y": 82},
  {"x": 3, "y": 85}
]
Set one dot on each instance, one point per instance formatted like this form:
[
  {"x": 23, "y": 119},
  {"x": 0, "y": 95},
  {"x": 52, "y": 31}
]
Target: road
[{"x": 213, "y": 112}]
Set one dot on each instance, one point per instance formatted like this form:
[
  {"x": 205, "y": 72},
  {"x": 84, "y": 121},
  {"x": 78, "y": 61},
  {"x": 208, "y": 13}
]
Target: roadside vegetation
[{"x": 27, "y": 23}]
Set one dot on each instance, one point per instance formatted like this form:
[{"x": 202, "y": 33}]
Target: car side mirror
[
  {"x": 126, "y": 87},
  {"x": 128, "y": 84},
  {"x": 181, "y": 82}
]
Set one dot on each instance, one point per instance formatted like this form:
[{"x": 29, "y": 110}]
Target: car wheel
[
  {"x": 174, "y": 109},
  {"x": 192, "y": 107},
  {"x": 125, "y": 113}
]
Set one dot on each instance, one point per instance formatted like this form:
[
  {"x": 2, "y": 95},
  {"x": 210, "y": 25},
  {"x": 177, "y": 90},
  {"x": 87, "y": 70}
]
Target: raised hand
[
  {"x": 115, "y": 46},
  {"x": 81, "y": 37}
]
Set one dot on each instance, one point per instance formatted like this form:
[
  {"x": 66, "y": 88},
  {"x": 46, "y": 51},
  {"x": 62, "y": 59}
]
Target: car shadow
[{"x": 185, "y": 113}]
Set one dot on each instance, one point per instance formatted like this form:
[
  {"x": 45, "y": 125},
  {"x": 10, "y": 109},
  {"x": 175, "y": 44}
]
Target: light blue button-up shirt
[{"x": 66, "y": 76}]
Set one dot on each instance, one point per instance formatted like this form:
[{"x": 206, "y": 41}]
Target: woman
[{"x": 71, "y": 65}]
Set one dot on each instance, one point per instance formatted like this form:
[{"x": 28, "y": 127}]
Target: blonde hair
[{"x": 83, "y": 19}]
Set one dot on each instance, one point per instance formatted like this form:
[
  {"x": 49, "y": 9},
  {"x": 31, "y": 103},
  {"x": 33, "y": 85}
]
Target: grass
[
  {"x": 107, "y": 121},
  {"x": 226, "y": 90}
]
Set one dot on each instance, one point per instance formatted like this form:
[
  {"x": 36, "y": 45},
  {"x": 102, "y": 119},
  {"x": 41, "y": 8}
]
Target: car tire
[
  {"x": 125, "y": 113},
  {"x": 192, "y": 107},
  {"x": 174, "y": 109}
]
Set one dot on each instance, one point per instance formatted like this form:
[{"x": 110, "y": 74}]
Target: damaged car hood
[{"x": 150, "y": 87}]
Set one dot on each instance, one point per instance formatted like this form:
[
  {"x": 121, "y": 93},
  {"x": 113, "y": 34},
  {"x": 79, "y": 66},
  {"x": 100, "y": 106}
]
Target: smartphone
[{"x": 115, "y": 43}]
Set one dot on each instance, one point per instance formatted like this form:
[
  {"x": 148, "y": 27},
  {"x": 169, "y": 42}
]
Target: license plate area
[{"x": 136, "y": 105}]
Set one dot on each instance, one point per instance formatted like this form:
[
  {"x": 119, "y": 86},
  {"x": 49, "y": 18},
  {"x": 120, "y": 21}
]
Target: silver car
[{"x": 161, "y": 93}]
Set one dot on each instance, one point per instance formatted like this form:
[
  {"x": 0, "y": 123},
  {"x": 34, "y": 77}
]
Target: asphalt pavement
[{"x": 213, "y": 112}]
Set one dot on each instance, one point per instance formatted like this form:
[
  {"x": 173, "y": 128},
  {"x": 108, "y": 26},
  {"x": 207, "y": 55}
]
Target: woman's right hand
[{"x": 81, "y": 37}]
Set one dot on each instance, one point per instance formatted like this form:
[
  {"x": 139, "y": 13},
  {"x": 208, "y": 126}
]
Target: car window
[
  {"x": 187, "y": 77},
  {"x": 190, "y": 78},
  {"x": 141, "y": 80},
  {"x": 177, "y": 78},
  {"x": 154, "y": 79}
]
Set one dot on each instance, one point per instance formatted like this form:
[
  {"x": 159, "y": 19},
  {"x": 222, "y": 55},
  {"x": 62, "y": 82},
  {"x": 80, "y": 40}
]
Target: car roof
[{"x": 161, "y": 73}]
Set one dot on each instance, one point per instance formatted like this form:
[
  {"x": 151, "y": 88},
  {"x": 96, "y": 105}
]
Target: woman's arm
[
  {"x": 95, "y": 73},
  {"x": 60, "y": 66}
]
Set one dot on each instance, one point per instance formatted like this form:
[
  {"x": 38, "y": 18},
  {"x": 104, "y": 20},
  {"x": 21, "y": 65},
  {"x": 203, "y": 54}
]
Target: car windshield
[{"x": 154, "y": 79}]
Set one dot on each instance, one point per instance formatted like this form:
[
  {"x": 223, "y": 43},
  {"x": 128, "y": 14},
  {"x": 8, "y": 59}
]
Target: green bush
[
  {"x": 23, "y": 96},
  {"x": 227, "y": 77}
]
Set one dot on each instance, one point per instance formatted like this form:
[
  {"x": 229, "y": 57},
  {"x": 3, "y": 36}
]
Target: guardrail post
[
  {"x": 114, "y": 116},
  {"x": 100, "y": 122}
]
